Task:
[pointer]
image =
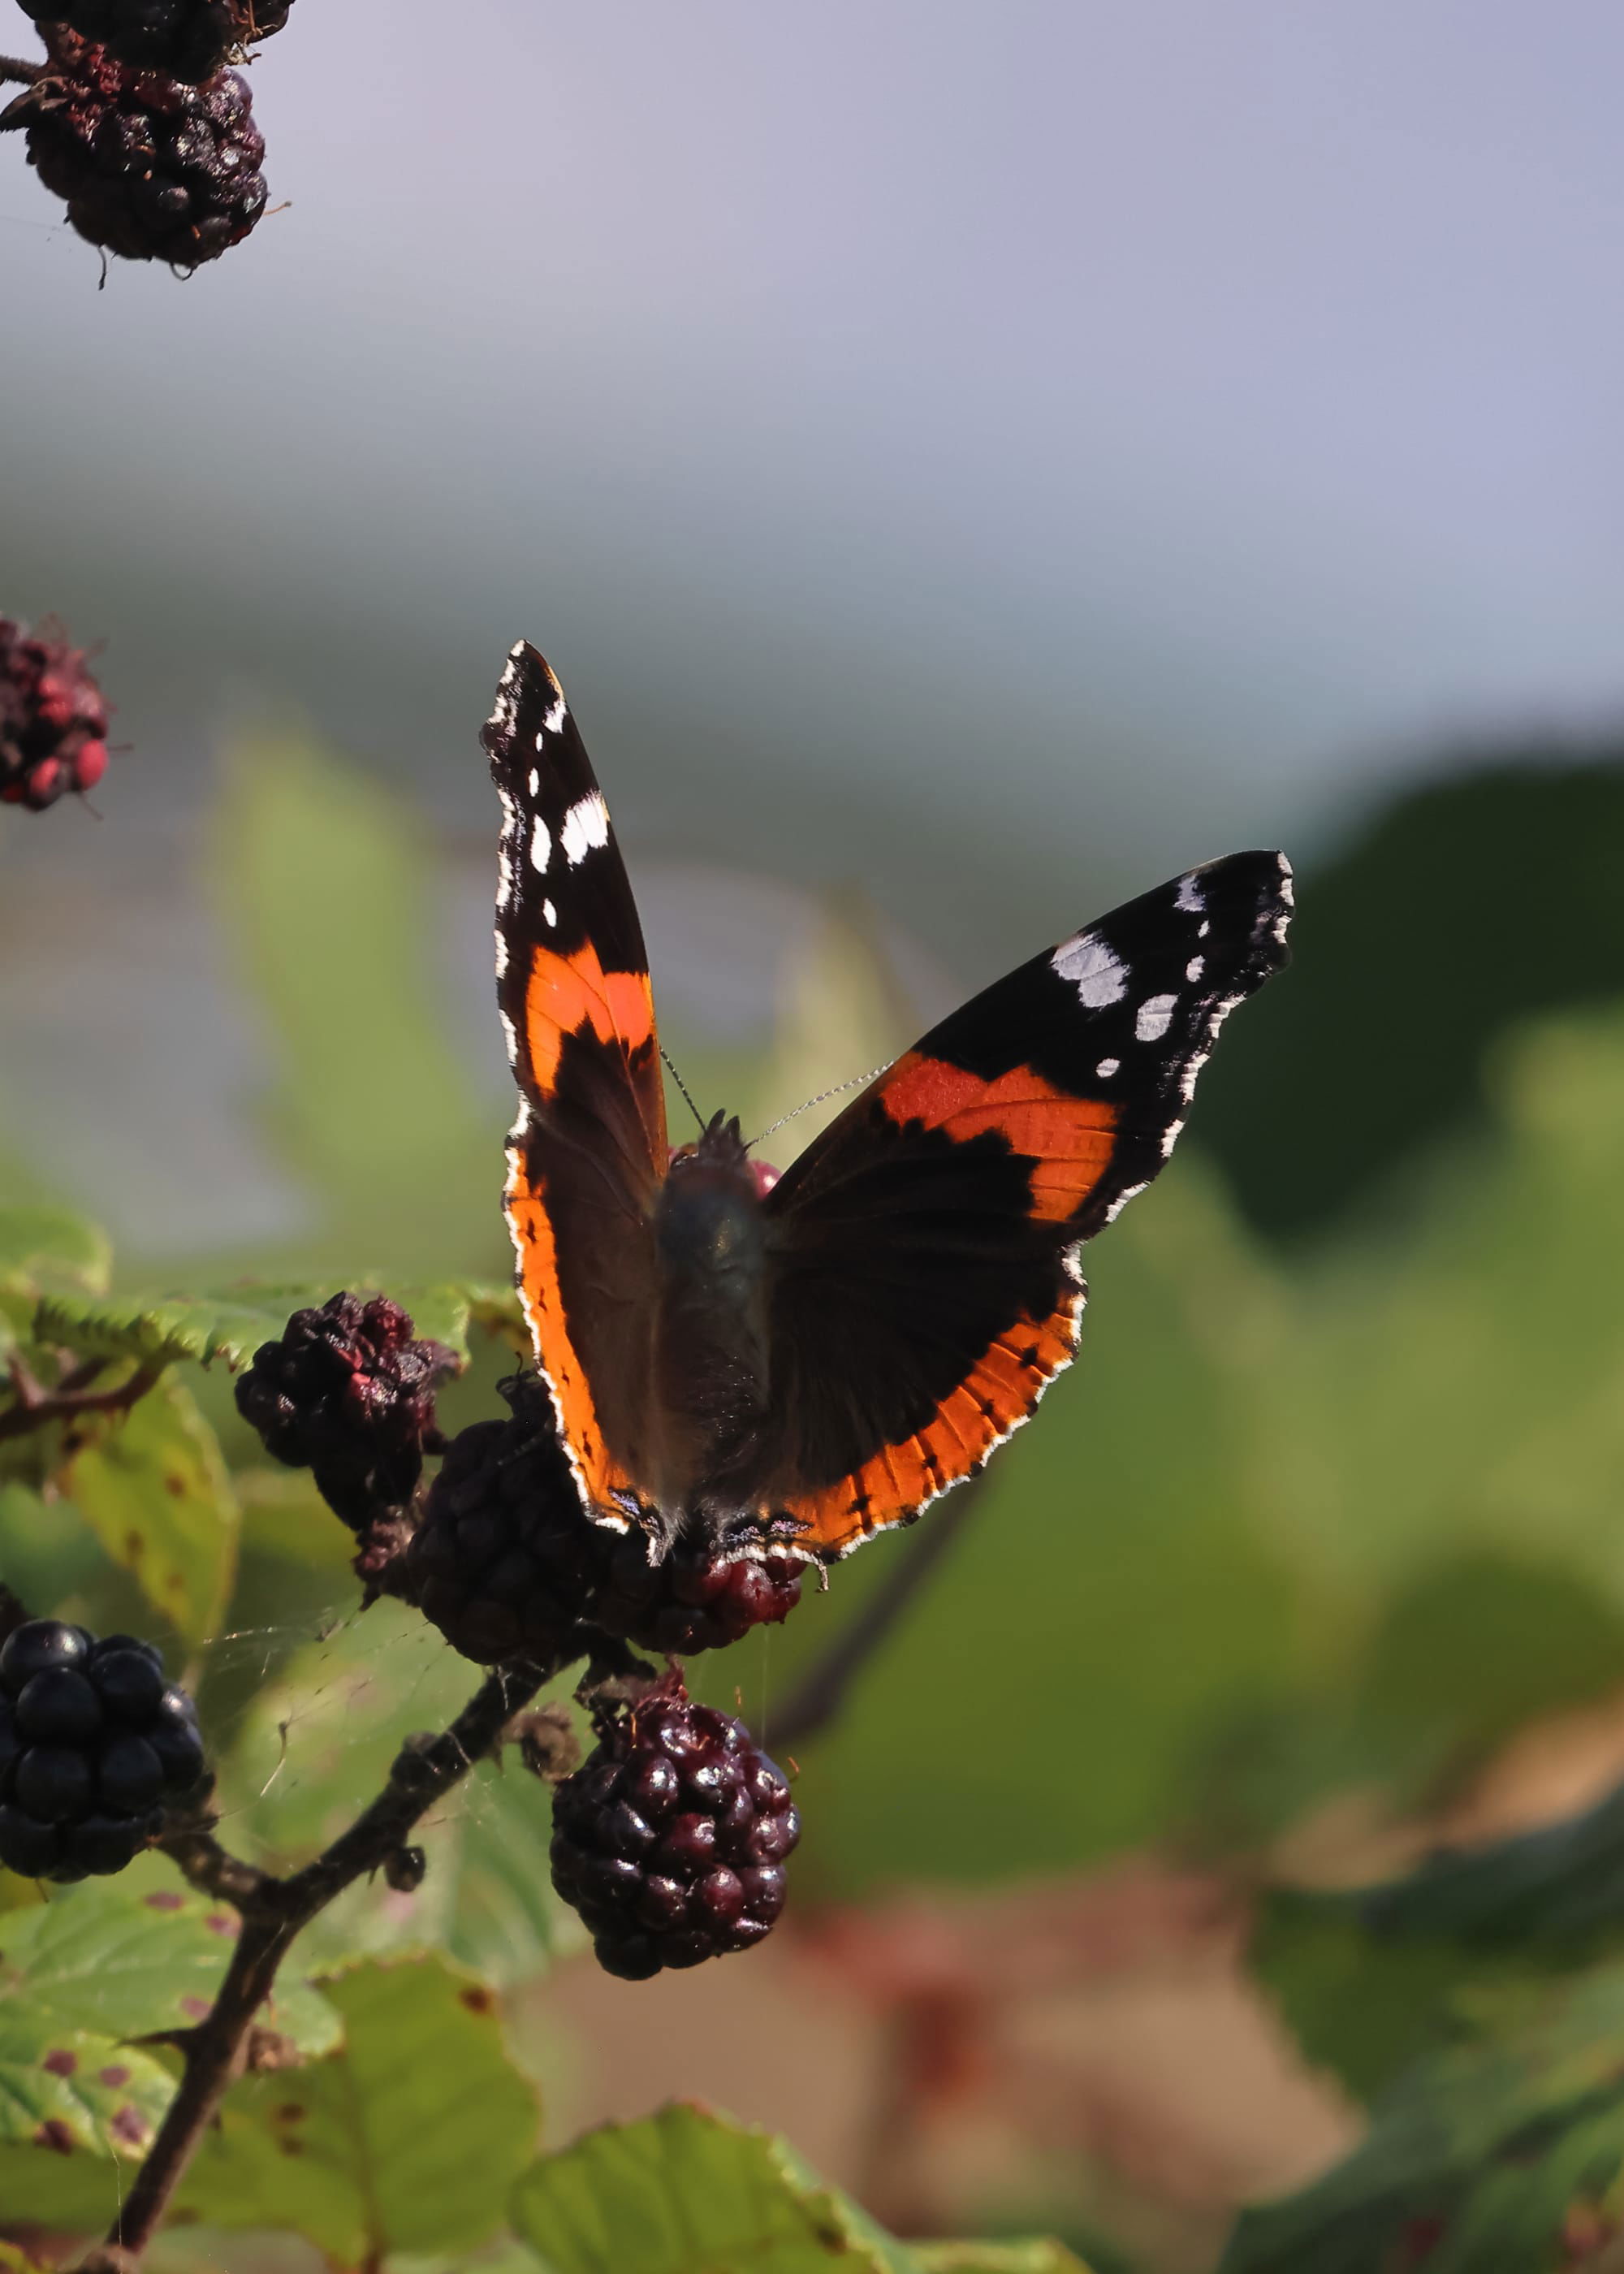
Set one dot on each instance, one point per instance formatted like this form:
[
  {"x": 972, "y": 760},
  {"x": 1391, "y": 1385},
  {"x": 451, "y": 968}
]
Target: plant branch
[
  {"x": 15, "y": 72},
  {"x": 273, "y": 1911},
  {"x": 821, "y": 1694},
  {"x": 36, "y": 1404}
]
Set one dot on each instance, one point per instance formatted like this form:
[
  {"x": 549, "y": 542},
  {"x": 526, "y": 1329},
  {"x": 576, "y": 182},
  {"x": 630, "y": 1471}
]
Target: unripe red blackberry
[
  {"x": 92, "y": 1742},
  {"x": 348, "y": 1392},
  {"x": 151, "y": 169},
  {"x": 694, "y": 1599},
  {"x": 671, "y": 1840},
  {"x": 188, "y": 39},
  {"x": 53, "y": 719},
  {"x": 505, "y": 1563}
]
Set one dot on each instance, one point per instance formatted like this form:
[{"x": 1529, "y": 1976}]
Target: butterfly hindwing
[
  {"x": 925, "y": 1284},
  {"x": 588, "y": 1151}
]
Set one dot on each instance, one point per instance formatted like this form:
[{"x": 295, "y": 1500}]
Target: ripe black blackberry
[
  {"x": 505, "y": 1563},
  {"x": 53, "y": 719},
  {"x": 671, "y": 1840},
  {"x": 151, "y": 169},
  {"x": 188, "y": 39},
  {"x": 92, "y": 1742},
  {"x": 348, "y": 1392}
]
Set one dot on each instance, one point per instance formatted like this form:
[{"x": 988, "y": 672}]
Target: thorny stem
[
  {"x": 821, "y": 1692},
  {"x": 273, "y": 1911},
  {"x": 36, "y": 1404}
]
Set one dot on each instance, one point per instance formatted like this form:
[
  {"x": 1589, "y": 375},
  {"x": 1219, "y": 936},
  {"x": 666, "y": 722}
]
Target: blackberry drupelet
[
  {"x": 507, "y": 1563},
  {"x": 53, "y": 719},
  {"x": 671, "y": 1840},
  {"x": 151, "y": 169},
  {"x": 188, "y": 39},
  {"x": 348, "y": 1392},
  {"x": 92, "y": 1742}
]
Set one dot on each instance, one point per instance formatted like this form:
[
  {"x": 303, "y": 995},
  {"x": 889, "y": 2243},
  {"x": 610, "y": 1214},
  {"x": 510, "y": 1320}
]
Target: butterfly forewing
[
  {"x": 925, "y": 1287},
  {"x": 588, "y": 1150}
]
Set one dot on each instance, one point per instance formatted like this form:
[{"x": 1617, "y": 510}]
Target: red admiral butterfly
[{"x": 811, "y": 1363}]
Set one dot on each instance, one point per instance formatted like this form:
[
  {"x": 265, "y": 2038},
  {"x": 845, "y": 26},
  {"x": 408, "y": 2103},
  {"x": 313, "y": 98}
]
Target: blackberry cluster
[
  {"x": 347, "y": 1392},
  {"x": 92, "y": 1742},
  {"x": 188, "y": 39},
  {"x": 151, "y": 168},
  {"x": 53, "y": 721},
  {"x": 671, "y": 1840},
  {"x": 506, "y": 1563}
]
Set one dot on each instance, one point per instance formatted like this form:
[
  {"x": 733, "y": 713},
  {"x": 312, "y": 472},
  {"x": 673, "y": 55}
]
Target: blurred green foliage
[{"x": 1304, "y": 1524}]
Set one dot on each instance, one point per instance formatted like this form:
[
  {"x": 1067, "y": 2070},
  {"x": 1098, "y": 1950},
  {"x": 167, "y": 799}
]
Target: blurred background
[{"x": 965, "y": 464}]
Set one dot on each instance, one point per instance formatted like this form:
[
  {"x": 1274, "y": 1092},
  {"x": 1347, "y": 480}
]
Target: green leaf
[
  {"x": 43, "y": 1247},
  {"x": 162, "y": 1328},
  {"x": 325, "y": 891},
  {"x": 349, "y": 1701},
  {"x": 684, "y": 2192},
  {"x": 1486, "y": 2155},
  {"x": 409, "y": 2140},
  {"x": 152, "y": 1484},
  {"x": 127, "y": 1958}
]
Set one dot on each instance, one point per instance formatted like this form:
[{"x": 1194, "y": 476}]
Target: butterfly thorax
[{"x": 711, "y": 1340}]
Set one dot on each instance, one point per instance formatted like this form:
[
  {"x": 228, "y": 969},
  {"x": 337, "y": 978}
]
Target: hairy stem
[
  {"x": 821, "y": 1694},
  {"x": 15, "y": 72},
  {"x": 273, "y": 1911}
]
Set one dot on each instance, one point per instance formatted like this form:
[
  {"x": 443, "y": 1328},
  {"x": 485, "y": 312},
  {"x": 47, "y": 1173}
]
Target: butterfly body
[{"x": 816, "y": 1361}]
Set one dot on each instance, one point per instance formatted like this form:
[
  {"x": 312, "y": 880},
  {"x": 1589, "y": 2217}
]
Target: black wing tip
[{"x": 528, "y": 681}]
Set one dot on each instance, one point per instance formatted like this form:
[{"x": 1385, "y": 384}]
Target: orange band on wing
[
  {"x": 567, "y": 993},
  {"x": 602, "y": 1482},
  {"x": 1070, "y": 1140},
  {"x": 996, "y": 1396}
]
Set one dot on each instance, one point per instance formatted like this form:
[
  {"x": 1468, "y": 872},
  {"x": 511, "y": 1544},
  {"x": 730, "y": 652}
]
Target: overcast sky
[{"x": 1092, "y": 433}]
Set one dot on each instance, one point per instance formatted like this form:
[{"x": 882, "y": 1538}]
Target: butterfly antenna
[
  {"x": 857, "y": 1081},
  {"x": 682, "y": 1085}
]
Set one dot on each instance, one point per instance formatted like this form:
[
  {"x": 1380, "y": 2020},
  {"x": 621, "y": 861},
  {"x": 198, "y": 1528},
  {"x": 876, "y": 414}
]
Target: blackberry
[
  {"x": 507, "y": 1563},
  {"x": 347, "y": 1393},
  {"x": 53, "y": 721},
  {"x": 504, "y": 1560},
  {"x": 696, "y": 1599},
  {"x": 188, "y": 39},
  {"x": 92, "y": 1742},
  {"x": 151, "y": 169},
  {"x": 671, "y": 1840}
]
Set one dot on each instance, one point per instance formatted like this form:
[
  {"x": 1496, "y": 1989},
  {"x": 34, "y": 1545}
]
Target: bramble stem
[
  {"x": 273, "y": 1911},
  {"x": 820, "y": 1695},
  {"x": 36, "y": 1406}
]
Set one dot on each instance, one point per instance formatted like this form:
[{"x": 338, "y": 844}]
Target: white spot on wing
[
  {"x": 535, "y": 783},
  {"x": 554, "y": 718},
  {"x": 511, "y": 1036},
  {"x": 1155, "y": 1017},
  {"x": 549, "y": 911},
  {"x": 501, "y": 953},
  {"x": 1092, "y": 968},
  {"x": 1188, "y": 898},
  {"x": 1106, "y": 1067},
  {"x": 541, "y": 845},
  {"x": 1193, "y": 969},
  {"x": 586, "y": 827}
]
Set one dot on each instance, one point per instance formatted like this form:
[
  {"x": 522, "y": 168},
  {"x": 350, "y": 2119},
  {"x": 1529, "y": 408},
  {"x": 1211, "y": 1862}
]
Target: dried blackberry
[
  {"x": 187, "y": 39},
  {"x": 671, "y": 1840},
  {"x": 348, "y": 1392},
  {"x": 53, "y": 719},
  {"x": 92, "y": 1742},
  {"x": 151, "y": 169}
]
